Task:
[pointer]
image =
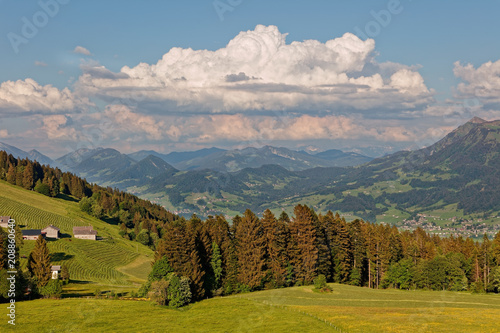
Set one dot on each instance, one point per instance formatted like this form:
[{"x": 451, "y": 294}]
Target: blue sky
[{"x": 427, "y": 37}]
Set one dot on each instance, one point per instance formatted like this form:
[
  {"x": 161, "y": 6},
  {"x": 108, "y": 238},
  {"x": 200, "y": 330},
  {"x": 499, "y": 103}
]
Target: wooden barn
[
  {"x": 32, "y": 234},
  {"x": 51, "y": 232},
  {"x": 86, "y": 232}
]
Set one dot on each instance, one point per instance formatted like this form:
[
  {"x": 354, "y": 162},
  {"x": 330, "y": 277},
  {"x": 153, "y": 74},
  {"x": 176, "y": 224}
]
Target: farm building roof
[
  {"x": 32, "y": 232},
  {"x": 52, "y": 227},
  {"x": 88, "y": 230}
]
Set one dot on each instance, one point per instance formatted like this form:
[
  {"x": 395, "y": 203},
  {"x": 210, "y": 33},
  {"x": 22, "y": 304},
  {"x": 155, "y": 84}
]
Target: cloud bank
[
  {"x": 259, "y": 71},
  {"x": 23, "y": 97}
]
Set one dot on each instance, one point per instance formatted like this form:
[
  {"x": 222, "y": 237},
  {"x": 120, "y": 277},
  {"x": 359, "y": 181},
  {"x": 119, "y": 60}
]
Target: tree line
[{"x": 252, "y": 253}]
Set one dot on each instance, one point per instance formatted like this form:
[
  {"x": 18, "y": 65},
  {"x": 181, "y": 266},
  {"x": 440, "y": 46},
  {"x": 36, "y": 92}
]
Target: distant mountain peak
[
  {"x": 477, "y": 120},
  {"x": 32, "y": 154}
]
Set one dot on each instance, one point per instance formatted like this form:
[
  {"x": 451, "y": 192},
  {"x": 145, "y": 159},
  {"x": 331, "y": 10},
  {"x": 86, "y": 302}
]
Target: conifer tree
[
  {"x": 304, "y": 254},
  {"x": 194, "y": 269},
  {"x": 230, "y": 278},
  {"x": 216, "y": 264},
  {"x": 39, "y": 262},
  {"x": 358, "y": 272},
  {"x": 485, "y": 259},
  {"x": 276, "y": 234},
  {"x": 11, "y": 174},
  {"x": 345, "y": 252},
  {"x": 28, "y": 176},
  {"x": 324, "y": 251},
  {"x": 251, "y": 250},
  {"x": 19, "y": 174}
]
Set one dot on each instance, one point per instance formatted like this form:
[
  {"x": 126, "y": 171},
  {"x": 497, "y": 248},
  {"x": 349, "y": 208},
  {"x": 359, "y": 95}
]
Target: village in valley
[{"x": 453, "y": 226}]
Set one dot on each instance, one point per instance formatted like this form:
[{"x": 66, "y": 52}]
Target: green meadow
[{"x": 297, "y": 309}]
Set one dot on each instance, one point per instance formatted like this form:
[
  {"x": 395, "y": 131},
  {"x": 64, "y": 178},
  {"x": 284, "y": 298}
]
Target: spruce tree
[
  {"x": 276, "y": 233},
  {"x": 19, "y": 175},
  {"x": 250, "y": 250},
  {"x": 345, "y": 255},
  {"x": 194, "y": 269},
  {"x": 324, "y": 251},
  {"x": 216, "y": 264},
  {"x": 11, "y": 174},
  {"x": 28, "y": 176},
  {"x": 304, "y": 253},
  {"x": 39, "y": 262},
  {"x": 359, "y": 269},
  {"x": 485, "y": 259}
]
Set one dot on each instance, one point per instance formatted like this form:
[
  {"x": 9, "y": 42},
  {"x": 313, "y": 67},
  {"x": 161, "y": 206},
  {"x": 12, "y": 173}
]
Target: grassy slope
[
  {"x": 298, "y": 309},
  {"x": 111, "y": 262}
]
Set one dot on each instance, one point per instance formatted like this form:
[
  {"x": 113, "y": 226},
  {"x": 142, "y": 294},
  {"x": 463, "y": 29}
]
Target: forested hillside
[{"x": 111, "y": 205}]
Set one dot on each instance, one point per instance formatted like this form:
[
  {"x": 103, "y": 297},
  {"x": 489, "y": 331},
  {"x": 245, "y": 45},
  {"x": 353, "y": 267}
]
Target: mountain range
[
  {"x": 458, "y": 175},
  {"x": 108, "y": 166}
]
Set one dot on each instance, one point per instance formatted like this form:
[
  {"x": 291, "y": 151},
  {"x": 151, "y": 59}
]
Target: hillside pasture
[
  {"x": 298, "y": 309},
  {"x": 104, "y": 262}
]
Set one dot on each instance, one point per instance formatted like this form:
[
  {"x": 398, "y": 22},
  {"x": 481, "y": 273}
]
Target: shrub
[
  {"x": 477, "y": 287},
  {"x": 42, "y": 188},
  {"x": 86, "y": 205},
  {"x": 144, "y": 289},
  {"x": 52, "y": 289},
  {"x": 159, "y": 292},
  {"x": 161, "y": 268},
  {"x": 173, "y": 291},
  {"x": 320, "y": 284},
  {"x": 143, "y": 237},
  {"x": 179, "y": 292}
]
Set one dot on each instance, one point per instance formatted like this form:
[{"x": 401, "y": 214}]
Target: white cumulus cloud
[
  {"x": 482, "y": 83},
  {"x": 259, "y": 71},
  {"x": 27, "y": 96}
]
